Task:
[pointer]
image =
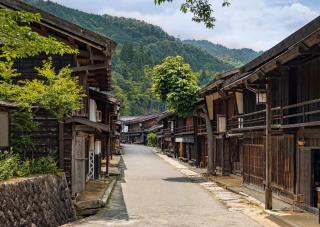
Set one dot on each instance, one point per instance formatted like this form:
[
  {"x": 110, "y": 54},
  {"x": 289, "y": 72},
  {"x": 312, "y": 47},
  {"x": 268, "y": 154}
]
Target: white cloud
[{"x": 257, "y": 24}]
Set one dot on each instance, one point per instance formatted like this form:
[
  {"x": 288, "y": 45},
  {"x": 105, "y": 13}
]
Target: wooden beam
[{"x": 89, "y": 67}]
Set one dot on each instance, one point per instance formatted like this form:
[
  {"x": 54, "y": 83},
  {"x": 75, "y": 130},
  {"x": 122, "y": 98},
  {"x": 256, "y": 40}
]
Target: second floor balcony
[
  {"x": 188, "y": 129},
  {"x": 301, "y": 114}
]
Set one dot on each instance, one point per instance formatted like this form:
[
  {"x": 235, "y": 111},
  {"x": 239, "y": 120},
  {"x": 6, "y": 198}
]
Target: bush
[
  {"x": 151, "y": 139},
  {"x": 44, "y": 165},
  {"x": 12, "y": 166}
]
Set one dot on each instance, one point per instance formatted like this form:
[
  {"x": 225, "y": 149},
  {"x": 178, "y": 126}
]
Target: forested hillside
[
  {"x": 235, "y": 57},
  {"x": 141, "y": 44}
]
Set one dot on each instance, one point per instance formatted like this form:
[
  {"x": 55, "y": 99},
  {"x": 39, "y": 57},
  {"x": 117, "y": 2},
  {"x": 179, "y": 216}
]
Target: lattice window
[{"x": 91, "y": 165}]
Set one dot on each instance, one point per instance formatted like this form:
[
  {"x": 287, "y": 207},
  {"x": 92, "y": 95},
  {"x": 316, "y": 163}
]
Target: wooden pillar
[
  {"x": 268, "y": 147},
  {"x": 108, "y": 141},
  {"x": 61, "y": 144}
]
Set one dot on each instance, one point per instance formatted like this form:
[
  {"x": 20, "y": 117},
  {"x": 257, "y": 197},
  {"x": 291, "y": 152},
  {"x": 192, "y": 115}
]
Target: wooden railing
[
  {"x": 202, "y": 128},
  {"x": 167, "y": 131},
  {"x": 184, "y": 129},
  {"x": 301, "y": 114}
]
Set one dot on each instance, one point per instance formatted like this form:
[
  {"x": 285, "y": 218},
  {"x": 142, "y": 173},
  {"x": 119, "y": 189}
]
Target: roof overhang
[
  {"x": 284, "y": 45},
  {"x": 83, "y": 121},
  {"x": 104, "y": 96},
  {"x": 290, "y": 54}
]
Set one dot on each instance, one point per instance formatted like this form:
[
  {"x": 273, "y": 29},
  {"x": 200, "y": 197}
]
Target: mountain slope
[
  {"x": 140, "y": 44},
  {"x": 235, "y": 57}
]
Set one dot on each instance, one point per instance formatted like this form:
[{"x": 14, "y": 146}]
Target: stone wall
[{"x": 36, "y": 201}]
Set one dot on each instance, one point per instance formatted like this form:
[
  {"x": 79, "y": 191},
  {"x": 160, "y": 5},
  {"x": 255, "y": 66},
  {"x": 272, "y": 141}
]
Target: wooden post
[
  {"x": 268, "y": 147},
  {"x": 61, "y": 144},
  {"x": 107, "y": 151}
]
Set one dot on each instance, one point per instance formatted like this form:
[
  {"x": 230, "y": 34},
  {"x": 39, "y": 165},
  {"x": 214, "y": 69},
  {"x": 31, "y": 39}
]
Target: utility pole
[{"x": 268, "y": 191}]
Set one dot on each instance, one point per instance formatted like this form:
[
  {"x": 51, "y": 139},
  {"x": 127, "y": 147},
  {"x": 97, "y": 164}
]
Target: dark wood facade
[
  {"x": 284, "y": 78},
  {"x": 166, "y": 137},
  {"x": 81, "y": 140},
  {"x": 135, "y": 129}
]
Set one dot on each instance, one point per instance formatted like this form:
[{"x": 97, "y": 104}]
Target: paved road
[{"x": 154, "y": 193}]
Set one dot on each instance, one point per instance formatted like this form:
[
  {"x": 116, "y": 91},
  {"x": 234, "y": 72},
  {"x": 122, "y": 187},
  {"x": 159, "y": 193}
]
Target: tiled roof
[{"x": 136, "y": 119}]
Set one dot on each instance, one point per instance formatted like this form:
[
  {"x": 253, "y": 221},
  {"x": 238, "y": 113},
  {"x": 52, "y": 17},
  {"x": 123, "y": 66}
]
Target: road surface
[{"x": 155, "y": 193}]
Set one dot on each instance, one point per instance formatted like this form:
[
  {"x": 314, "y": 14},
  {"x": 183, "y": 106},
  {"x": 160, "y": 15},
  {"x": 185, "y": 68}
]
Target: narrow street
[{"x": 154, "y": 193}]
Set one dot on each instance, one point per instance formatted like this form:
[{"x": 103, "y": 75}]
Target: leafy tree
[
  {"x": 127, "y": 52},
  {"x": 59, "y": 93},
  {"x": 201, "y": 9},
  {"x": 175, "y": 83}
]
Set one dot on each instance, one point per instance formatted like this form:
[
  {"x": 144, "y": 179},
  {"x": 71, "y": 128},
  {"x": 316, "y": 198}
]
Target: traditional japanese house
[
  {"x": 116, "y": 136},
  {"x": 202, "y": 142},
  {"x": 81, "y": 140},
  {"x": 185, "y": 139},
  {"x": 167, "y": 120},
  {"x": 221, "y": 108},
  {"x": 135, "y": 129},
  {"x": 278, "y": 132},
  {"x": 5, "y": 110}
]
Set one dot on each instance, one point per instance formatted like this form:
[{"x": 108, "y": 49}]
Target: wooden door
[
  {"x": 254, "y": 164},
  {"x": 79, "y": 160}
]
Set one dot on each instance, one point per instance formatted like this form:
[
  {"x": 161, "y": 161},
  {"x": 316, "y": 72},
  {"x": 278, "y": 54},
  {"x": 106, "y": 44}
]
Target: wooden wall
[
  {"x": 254, "y": 164},
  {"x": 283, "y": 163}
]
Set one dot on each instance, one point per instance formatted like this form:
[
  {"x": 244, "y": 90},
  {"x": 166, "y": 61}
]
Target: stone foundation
[{"x": 36, "y": 201}]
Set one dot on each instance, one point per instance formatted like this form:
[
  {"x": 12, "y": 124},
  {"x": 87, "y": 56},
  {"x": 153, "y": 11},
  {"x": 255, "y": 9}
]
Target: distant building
[{"x": 136, "y": 128}]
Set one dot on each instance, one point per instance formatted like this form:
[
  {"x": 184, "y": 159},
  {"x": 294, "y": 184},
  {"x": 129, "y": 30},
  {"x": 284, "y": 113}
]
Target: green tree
[
  {"x": 59, "y": 93},
  {"x": 126, "y": 54},
  {"x": 202, "y": 10},
  {"x": 175, "y": 83}
]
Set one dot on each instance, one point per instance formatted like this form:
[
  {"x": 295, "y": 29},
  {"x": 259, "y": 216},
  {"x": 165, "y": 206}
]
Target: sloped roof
[
  {"x": 219, "y": 80},
  {"x": 106, "y": 96},
  {"x": 166, "y": 114},
  {"x": 141, "y": 118},
  {"x": 237, "y": 75},
  {"x": 284, "y": 44}
]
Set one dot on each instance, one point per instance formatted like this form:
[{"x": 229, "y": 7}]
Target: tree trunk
[{"x": 211, "y": 167}]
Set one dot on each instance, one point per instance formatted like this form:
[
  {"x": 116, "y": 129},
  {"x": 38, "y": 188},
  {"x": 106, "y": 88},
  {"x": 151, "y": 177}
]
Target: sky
[{"x": 256, "y": 24}]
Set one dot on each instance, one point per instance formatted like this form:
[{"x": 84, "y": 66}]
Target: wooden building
[
  {"x": 272, "y": 118},
  {"x": 135, "y": 129},
  {"x": 185, "y": 139},
  {"x": 167, "y": 144},
  {"x": 5, "y": 110},
  {"x": 221, "y": 108},
  {"x": 81, "y": 140}
]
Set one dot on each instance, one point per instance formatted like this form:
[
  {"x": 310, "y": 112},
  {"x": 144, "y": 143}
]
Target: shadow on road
[{"x": 185, "y": 179}]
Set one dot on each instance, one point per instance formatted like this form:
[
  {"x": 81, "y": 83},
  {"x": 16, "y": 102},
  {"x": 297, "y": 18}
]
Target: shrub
[
  {"x": 12, "y": 166},
  {"x": 44, "y": 165},
  {"x": 151, "y": 139},
  {"x": 9, "y": 164}
]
